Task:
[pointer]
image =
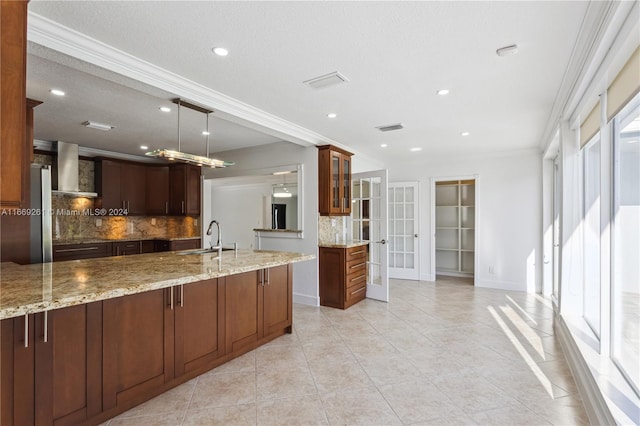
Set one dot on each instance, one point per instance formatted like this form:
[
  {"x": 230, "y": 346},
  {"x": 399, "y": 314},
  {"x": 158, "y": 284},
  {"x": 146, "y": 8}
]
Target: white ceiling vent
[
  {"x": 326, "y": 80},
  {"x": 390, "y": 127}
]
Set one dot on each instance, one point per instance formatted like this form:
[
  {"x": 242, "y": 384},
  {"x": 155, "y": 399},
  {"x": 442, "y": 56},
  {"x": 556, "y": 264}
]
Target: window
[
  {"x": 625, "y": 296},
  {"x": 591, "y": 229}
]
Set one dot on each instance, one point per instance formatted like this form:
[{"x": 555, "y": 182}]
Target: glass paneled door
[
  {"x": 369, "y": 213},
  {"x": 403, "y": 231}
]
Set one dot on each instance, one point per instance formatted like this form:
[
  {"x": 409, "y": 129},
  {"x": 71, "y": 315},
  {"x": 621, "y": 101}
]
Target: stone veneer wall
[{"x": 70, "y": 223}]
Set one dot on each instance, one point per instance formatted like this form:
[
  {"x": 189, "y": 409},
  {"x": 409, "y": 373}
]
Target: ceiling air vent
[
  {"x": 390, "y": 127},
  {"x": 326, "y": 80}
]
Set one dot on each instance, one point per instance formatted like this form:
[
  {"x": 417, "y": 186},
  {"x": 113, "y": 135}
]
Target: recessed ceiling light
[
  {"x": 205, "y": 133},
  {"x": 443, "y": 92},
  {"x": 384, "y": 145},
  {"x": 332, "y": 115},
  {"x": 464, "y": 134},
  {"x": 507, "y": 50},
  {"x": 57, "y": 92},
  {"x": 98, "y": 126},
  {"x": 165, "y": 109},
  {"x": 220, "y": 51},
  {"x": 416, "y": 149},
  {"x": 144, "y": 147}
]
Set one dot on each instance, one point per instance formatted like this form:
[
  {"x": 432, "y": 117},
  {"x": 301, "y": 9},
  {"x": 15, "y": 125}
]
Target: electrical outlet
[
  {"x": 98, "y": 223},
  {"x": 153, "y": 221}
]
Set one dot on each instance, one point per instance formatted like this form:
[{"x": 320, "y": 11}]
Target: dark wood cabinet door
[
  {"x": 17, "y": 371},
  {"x": 332, "y": 276},
  {"x": 157, "y": 190},
  {"x": 185, "y": 244},
  {"x": 193, "y": 191},
  {"x": 68, "y": 365},
  {"x": 198, "y": 338},
  {"x": 138, "y": 345},
  {"x": 277, "y": 299},
  {"x": 177, "y": 189},
  {"x": 125, "y": 248},
  {"x": 133, "y": 185},
  {"x": 334, "y": 181},
  {"x": 108, "y": 183},
  {"x": 244, "y": 310}
]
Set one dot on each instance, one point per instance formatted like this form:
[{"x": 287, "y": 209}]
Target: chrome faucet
[{"x": 218, "y": 245}]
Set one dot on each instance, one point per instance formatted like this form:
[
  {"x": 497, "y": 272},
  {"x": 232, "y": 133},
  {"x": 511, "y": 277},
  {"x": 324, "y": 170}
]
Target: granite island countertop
[
  {"x": 342, "y": 243},
  {"x": 26, "y": 289}
]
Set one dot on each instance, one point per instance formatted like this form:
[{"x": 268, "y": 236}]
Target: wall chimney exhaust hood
[{"x": 68, "y": 172}]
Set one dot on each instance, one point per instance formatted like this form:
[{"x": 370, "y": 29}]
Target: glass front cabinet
[{"x": 334, "y": 181}]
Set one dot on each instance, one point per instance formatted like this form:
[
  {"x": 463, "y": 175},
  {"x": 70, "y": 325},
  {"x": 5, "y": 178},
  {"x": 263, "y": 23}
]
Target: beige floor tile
[
  {"x": 275, "y": 384},
  {"x": 324, "y": 334},
  {"x": 305, "y": 410},
  {"x": 174, "y": 400},
  {"x": 284, "y": 340},
  {"x": 231, "y": 415},
  {"x": 216, "y": 390},
  {"x": 458, "y": 420},
  {"x": 243, "y": 364},
  {"x": 364, "y": 407},
  {"x": 568, "y": 410},
  {"x": 510, "y": 416},
  {"x": 473, "y": 394},
  {"x": 418, "y": 400},
  {"x": 385, "y": 369},
  {"x": 163, "y": 419},
  {"x": 279, "y": 358},
  {"x": 327, "y": 353},
  {"x": 341, "y": 376},
  {"x": 363, "y": 346}
]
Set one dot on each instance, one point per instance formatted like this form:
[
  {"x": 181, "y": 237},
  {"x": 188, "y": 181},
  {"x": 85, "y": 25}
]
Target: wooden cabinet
[
  {"x": 124, "y": 248},
  {"x": 80, "y": 251},
  {"x": 343, "y": 276},
  {"x": 176, "y": 245},
  {"x": 121, "y": 185},
  {"x": 138, "y": 339},
  {"x": 334, "y": 181},
  {"x": 258, "y": 304},
  {"x": 198, "y": 320},
  {"x": 15, "y": 158},
  {"x": 157, "y": 190},
  {"x": 57, "y": 376},
  {"x": 184, "y": 190}
]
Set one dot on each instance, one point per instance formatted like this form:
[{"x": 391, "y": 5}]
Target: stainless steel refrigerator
[{"x": 41, "y": 238}]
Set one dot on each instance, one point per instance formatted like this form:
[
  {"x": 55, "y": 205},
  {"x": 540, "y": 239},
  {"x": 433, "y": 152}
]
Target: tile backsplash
[
  {"x": 71, "y": 219},
  {"x": 332, "y": 227}
]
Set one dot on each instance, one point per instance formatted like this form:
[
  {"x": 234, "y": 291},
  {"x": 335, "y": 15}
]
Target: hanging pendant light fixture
[{"x": 184, "y": 156}]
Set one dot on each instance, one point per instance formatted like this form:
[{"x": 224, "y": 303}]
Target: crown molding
[{"x": 50, "y": 34}]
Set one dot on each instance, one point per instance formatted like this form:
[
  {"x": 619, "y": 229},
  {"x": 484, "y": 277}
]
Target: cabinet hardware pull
[
  {"x": 262, "y": 277},
  {"x": 117, "y": 250},
  {"x": 26, "y": 330},
  {"x": 358, "y": 252},
  {"x": 358, "y": 290},
  {"x": 170, "y": 289},
  {"x": 46, "y": 326},
  {"x": 166, "y": 207},
  {"x": 268, "y": 277},
  {"x": 182, "y": 206},
  {"x": 357, "y": 278},
  {"x": 76, "y": 249},
  {"x": 181, "y": 296},
  {"x": 358, "y": 265}
]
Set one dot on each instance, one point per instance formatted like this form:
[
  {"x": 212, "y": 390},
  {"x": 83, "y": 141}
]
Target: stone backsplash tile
[{"x": 330, "y": 227}]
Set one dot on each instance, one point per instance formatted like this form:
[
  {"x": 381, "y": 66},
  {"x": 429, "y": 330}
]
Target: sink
[{"x": 202, "y": 251}]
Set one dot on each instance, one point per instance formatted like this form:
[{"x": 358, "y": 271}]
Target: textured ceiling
[{"x": 396, "y": 55}]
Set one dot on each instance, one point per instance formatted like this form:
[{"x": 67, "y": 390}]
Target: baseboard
[
  {"x": 594, "y": 403},
  {"x": 305, "y": 299},
  {"x": 427, "y": 277},
  {"x": 500, "y": 285}
]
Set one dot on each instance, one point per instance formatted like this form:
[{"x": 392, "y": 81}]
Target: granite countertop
[
  {"x": 343, "y": 244},
  {"x": 41, "y": 287},
  {"x": 118, "y": 240}
]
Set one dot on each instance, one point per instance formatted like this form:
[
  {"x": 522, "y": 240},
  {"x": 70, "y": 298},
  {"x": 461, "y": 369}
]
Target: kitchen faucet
[{"x": 218, "y": 245}]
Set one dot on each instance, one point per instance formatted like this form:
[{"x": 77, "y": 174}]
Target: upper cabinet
[
  {"x": 121, "y": 185},
  {"x": 334, "y": 181},
  {"x": 158, "y": 190},
  {"x": 184, "y": 190},
  {"x": 15, "y": 158}
]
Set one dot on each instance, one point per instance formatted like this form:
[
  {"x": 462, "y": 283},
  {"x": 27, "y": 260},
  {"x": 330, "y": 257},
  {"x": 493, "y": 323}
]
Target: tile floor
[{"x": 440, "y": 353}]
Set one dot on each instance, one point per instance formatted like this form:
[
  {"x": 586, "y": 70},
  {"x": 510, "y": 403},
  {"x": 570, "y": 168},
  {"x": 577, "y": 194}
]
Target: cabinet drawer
[
  {"x": 178, "y": 245},
  {"x": 162, "y": 245},
  {"x": 127, "y": 248},
  {"x": 356, "y": 252},
  {"x": 356, "y": 278},
  {"x": 356, "y": 292},
  {"x": 356, "y": 265},
  {"x": 80, "y": 251}
]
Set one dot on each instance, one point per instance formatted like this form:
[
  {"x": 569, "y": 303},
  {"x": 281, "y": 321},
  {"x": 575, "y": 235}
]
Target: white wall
[
  {"x": 248, "y": 161},
  {"x": 509, "y": 205}
]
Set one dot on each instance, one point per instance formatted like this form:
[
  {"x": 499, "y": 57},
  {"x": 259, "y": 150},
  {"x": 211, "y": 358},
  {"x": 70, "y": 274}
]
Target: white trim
[
  {"x": 53, "y": 35},
  {"x": 501, "y": 285},
  {"x": 414, "y": 273},
  {"x": 305, "y": 299},
  {"x": 594, "y": 403}
]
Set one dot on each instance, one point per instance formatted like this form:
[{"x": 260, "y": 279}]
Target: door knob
[
  {"x": 382, "y": 241},
  {"x": 415, "y": 235}
]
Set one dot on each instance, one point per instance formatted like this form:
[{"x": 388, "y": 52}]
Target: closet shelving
[{"x": 455, "y": 227}]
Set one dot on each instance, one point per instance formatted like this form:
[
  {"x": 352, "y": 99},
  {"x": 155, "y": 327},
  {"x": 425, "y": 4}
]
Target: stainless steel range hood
[{"x": 68, "y": 171}]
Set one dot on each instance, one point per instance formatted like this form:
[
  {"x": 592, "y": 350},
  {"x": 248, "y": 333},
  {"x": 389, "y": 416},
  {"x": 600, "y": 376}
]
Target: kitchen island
[{"x": 82, "y": 341}]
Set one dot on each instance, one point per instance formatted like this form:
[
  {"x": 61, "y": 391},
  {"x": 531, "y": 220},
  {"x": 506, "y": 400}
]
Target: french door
[
  {"x": 369, "y": 213},
  {"x": 404, "y": 244}
]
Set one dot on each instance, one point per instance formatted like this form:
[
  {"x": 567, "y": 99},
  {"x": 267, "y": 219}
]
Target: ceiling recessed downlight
[
  {"x": 416, "y": 149},
  {"x": 165, "y": 109},
  {"x": 383, "y": 145},
  {"x": 205, "y": 133},
  {"x": 465, "y": 134},
  {"x": 443, "y": 92},
  {"x": 507, "y": 50},
  {"x": 220, "y": 51},
  {"x": 57, "y": 92},
  {"x": 332, "y": 115},
  {"x": 144, "y": 147},
  {"x": 98, "y": 126}
]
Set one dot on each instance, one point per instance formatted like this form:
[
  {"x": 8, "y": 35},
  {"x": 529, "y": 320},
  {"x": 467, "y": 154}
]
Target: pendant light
[{"x": 184, "y": 156}]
